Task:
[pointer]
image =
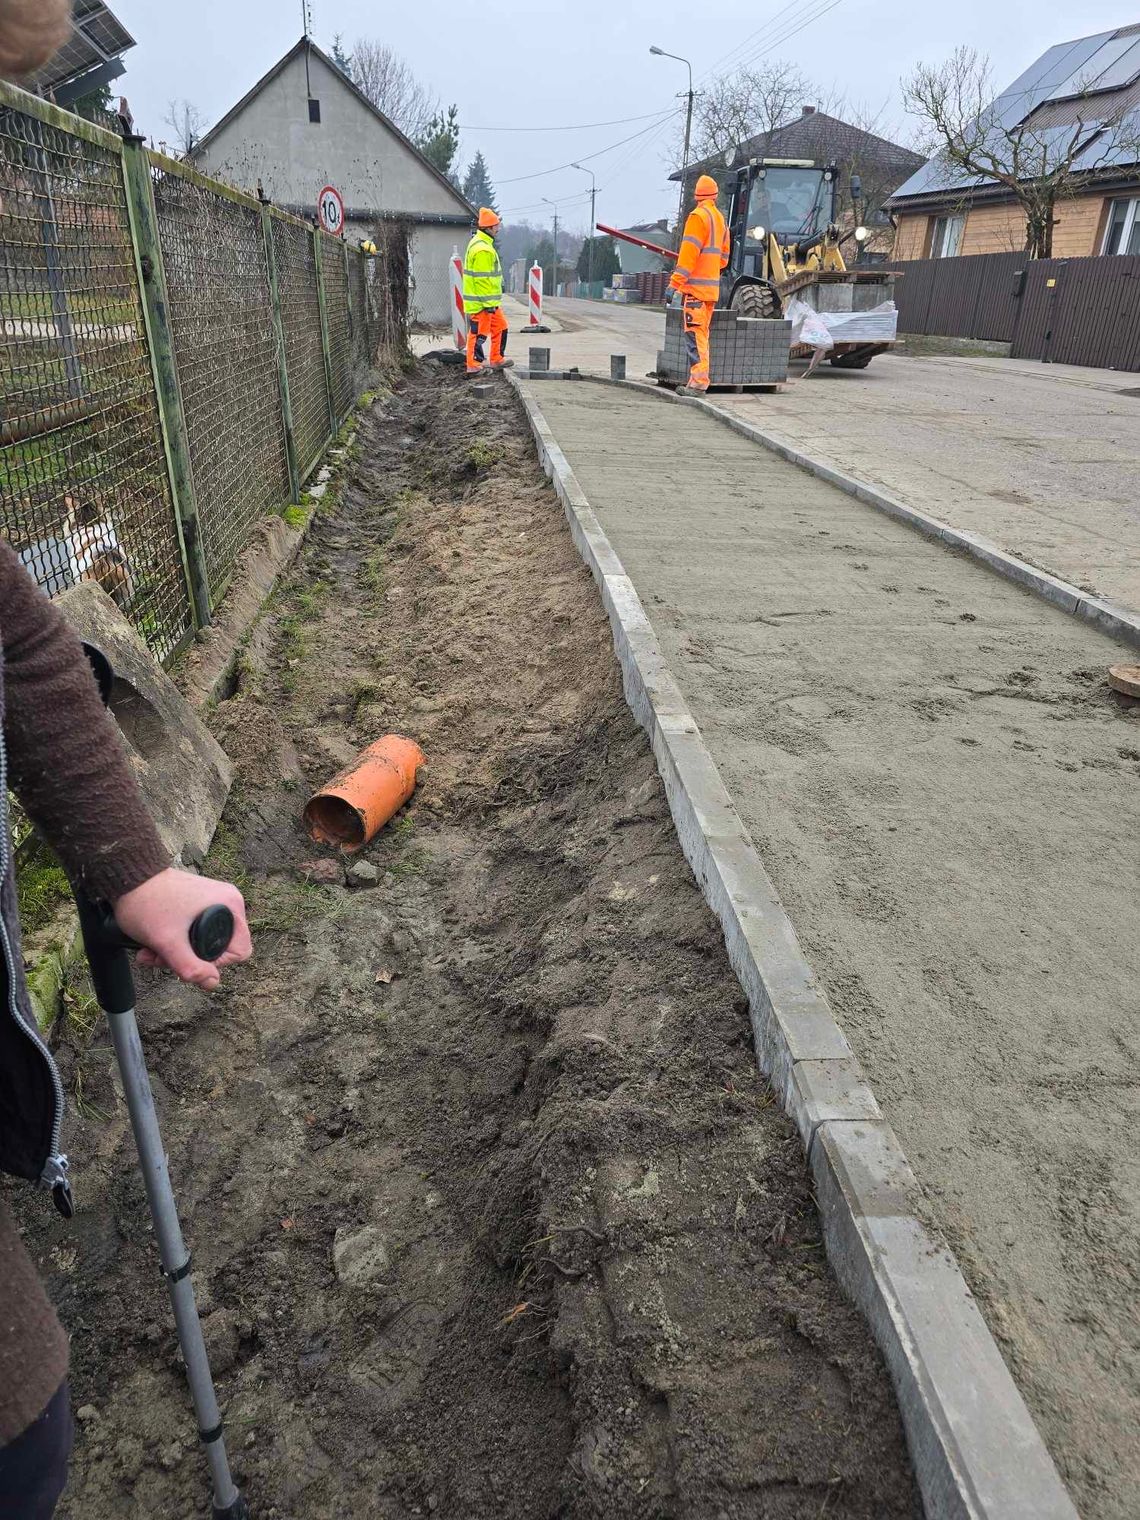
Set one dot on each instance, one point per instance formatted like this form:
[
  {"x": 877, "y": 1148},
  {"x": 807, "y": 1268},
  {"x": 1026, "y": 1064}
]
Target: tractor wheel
[
  {"x": 856, "y": 360},
  {"x": 756, "y": 301}
]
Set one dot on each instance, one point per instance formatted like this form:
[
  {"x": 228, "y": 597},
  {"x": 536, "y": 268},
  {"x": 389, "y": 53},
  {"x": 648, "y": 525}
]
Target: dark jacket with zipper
[{"x": 62, "y": 756}]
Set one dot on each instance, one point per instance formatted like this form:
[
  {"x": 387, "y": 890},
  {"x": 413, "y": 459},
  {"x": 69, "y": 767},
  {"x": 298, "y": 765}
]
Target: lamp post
[
  {"x": 554, "y": 260},
  {"x": 593, "y": 213},
  {"x": 661, "y": 53}
]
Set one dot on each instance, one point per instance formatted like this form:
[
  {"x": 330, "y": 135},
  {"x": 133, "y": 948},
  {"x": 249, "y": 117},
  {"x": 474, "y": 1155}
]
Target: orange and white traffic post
[
  {"x": 458, "y": 315},
  {"x": 534, "y": 300}
]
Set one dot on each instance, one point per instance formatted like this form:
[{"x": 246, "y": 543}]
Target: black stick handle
[{"x": 107, "y": 947}]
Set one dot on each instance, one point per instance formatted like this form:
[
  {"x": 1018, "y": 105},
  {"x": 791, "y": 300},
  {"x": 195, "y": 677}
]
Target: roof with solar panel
[
  {"x": 91, "y": 57},
  {"x": 1092, "y": 81}
]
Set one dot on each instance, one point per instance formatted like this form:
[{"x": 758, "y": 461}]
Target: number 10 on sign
[{"x": 330, "y": 209}]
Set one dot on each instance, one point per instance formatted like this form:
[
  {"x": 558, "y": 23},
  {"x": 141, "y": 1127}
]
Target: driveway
[{"x": 1043, "y": 459}]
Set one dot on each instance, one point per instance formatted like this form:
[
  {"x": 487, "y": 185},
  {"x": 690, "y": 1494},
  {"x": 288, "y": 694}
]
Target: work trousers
[
  {"x": 698, "y": 320},
  {"x": 33, "y": 1469},
  {"x": 480, "y": 326}
]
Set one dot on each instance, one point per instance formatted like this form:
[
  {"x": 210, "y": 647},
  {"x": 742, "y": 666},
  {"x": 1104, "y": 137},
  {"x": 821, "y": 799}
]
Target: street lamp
[
  {"x": 661, "y": 53},
  {"x": 554, "y": 260},
  {"x": 593, "y": 213}
]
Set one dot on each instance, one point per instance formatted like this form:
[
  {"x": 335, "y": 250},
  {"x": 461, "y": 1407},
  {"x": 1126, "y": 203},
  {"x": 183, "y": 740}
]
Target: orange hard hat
[
  {"x": 707, "y": 188},
  {"x": 489, "y": 219}
]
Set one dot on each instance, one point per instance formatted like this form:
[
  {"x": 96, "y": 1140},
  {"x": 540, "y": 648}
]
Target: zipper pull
[{"x": 54, "y": 1176}]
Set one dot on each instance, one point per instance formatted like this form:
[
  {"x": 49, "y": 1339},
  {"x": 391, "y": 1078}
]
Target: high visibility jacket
[
  {"x": 482, "y": 275},
  {"x": 704, "y": 253}
]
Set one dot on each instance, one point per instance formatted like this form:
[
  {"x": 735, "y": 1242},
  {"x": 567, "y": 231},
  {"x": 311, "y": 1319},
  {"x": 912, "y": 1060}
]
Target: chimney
[{"x": 808, "y": 110}]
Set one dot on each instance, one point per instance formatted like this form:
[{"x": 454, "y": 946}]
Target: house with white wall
[{"x": 305, "y": 125}]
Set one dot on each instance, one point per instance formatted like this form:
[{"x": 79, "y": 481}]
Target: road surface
[
  {"x": 944, "y": 791},
  {"x": 1043, "y": 459}
]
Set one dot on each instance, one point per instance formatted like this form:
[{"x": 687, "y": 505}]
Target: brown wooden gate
[{"x": 1081, "y": 311}]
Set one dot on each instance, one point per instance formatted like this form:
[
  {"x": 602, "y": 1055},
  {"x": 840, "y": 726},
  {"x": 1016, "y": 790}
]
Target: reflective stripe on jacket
[
  {"x": 704, "y": 253},
  {"x": 482, "y": 275}
]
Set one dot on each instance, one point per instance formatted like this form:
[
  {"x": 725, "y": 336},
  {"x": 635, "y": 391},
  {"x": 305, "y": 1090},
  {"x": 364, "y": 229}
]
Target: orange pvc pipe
[{"x": 357, "y": 803}]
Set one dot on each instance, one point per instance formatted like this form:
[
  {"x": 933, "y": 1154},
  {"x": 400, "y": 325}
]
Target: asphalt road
[{"x": 1043, "y": 459}]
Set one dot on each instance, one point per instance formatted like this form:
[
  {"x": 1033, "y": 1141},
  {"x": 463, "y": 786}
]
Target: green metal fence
[{"x": 175, "y": 356}]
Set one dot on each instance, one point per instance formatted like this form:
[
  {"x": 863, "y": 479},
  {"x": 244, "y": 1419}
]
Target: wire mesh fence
[
  {"x": 222, "y": 324},
  {"x": 142, "y": 406},
  {"x": 84, "y": 493},
  {"x": 301, "y": 322},
  {"x": 334, "y": 271}
]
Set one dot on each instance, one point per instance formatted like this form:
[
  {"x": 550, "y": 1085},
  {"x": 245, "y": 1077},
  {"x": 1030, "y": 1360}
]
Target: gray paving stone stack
[{"x": 742, "y": 350}]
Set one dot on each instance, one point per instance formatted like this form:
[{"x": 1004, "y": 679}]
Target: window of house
[
  {"x": 314, "y": 111},
  {"x": 946, "y": 238},
  {"x": 1123, "y": 235}
]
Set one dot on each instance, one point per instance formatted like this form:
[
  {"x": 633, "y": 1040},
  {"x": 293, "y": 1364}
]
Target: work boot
[
  {"x": 478, "y": 371},
  {"x": 691, "y": 390},
  {"x": 502, "y": 364}
]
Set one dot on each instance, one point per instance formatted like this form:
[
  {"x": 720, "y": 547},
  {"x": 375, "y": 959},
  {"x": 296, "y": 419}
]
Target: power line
[
  {"x": 801, "y": 22},
  {"x": 741, "y": 47},
  {"x": 581, "y": 126},
  {"x": 586, "y": 157}
]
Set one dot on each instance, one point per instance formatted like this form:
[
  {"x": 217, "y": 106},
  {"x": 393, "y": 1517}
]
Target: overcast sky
[{"x": 507, "y": 64}]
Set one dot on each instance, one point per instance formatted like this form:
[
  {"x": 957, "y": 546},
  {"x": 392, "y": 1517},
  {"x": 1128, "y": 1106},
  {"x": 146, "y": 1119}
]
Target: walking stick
[{"x": 107, "y": 948}]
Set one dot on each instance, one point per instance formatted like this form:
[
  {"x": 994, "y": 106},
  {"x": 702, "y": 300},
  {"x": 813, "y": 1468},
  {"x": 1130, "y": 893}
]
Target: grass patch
[
  {"x": 397, "y": 852},
  {"x": 275, "y": 905},
  {"x": 308, "y": 602},
  {"x": 296, "y": 516},
  {"x": 482, "y": 455},
  {"x": 363, "y": 692},
  {"x": 43, "y": 886},
  {"x": 372, "y": 571}
]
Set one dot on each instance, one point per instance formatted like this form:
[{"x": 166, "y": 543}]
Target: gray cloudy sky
[{"x": 553, "y": 65}]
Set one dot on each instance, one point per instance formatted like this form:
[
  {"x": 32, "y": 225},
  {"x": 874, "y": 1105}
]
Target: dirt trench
[{"x": 491, "y": 1213}]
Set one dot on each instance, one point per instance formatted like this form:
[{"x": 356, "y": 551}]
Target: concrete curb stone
[{"x": 976, "y": 1452}]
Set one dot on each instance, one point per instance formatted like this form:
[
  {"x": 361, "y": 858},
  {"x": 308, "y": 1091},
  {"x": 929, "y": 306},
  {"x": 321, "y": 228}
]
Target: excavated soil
[{"x": 492, "y": 1215}]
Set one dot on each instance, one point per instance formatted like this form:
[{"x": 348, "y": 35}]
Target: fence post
[
  {"x": 143, "y": 217},
  {"x": 326, "y": 351},
  {"x": 279, "y": 347}
]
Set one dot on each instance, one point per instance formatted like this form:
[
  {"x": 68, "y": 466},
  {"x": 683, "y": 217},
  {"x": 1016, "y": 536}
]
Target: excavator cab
[{"x": 783, "y": 223}]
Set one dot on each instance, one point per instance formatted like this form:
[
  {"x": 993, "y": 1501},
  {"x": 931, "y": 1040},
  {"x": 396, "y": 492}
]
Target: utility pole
[
  {"x": 593, "y": 219},
  {"x": 661, "y": 53},
  {"x": 554, "y": 259}
]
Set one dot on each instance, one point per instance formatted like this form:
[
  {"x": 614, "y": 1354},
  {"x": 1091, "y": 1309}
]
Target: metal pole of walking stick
[{"x": 111, "y": 977}]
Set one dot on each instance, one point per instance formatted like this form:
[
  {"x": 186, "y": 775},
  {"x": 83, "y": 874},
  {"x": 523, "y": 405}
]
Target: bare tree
[
  {"x": 744, "y": 103},
  {"x": 1034, "y": 158},
  {"x": 379, "y": 73},
  {"x": 186, "y": 123}
]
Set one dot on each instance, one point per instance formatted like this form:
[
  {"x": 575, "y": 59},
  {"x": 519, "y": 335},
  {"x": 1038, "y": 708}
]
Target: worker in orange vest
[{"x": 704, "y": 253}]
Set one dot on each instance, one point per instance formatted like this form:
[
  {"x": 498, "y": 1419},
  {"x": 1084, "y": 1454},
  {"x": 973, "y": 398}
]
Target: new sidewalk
[{"x": 943, "y": 790}]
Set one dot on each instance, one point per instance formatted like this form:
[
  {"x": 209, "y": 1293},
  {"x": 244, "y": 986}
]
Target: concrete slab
[
  {"x": 1040, "y": 459},
  {"x": 184, "y": 774}
]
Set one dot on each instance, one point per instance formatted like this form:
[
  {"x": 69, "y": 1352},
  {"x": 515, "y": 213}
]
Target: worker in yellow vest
[
  {"x": 704, "y": 253},
  {"x": 483, "y": 296}
]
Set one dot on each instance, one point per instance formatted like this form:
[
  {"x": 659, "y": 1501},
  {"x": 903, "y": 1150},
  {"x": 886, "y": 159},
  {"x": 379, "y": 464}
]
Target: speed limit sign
[{"x": 330, "y": 209}]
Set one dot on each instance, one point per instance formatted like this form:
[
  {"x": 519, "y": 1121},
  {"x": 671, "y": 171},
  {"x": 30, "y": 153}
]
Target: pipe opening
[{"x": 331, "y": 820}]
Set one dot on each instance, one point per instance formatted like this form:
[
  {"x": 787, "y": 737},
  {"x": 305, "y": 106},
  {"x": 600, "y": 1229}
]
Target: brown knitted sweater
[{"x": 68, "y": 767}]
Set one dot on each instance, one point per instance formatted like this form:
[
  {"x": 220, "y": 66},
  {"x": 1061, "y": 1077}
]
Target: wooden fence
[{"x": 1062, "y": 311}]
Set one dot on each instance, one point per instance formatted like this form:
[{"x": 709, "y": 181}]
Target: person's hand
[
  {"x": 158, "y": 916},
  {"x": 30, "y": 32}
]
